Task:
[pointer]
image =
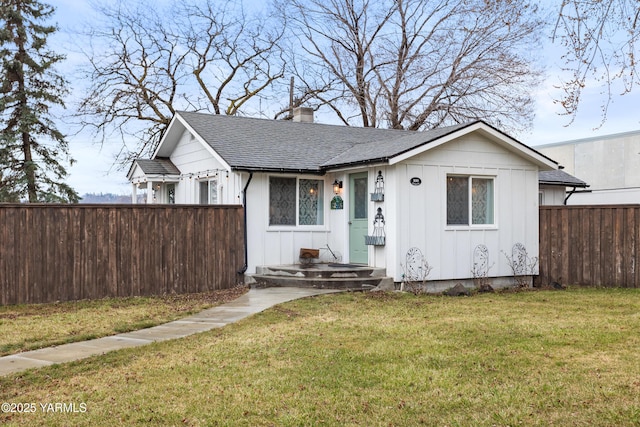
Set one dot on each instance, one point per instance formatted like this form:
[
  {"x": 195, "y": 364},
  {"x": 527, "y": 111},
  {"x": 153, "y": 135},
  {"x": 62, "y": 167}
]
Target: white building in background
[{"x": 610, "y": 164}]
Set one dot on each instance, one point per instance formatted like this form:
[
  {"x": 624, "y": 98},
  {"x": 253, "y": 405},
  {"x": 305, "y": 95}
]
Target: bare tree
[
  {"x": 599, "y": 40},
  {"x": 413, "y": 64},
  {"x": 335, "y": 44},
  {"x": 147, "y": 63}
]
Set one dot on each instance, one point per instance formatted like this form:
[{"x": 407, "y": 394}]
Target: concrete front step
[
  {"x": 321, "y": 276},
  {"x": 321, "y": 270},
  {"x": 355, "y": 283}
]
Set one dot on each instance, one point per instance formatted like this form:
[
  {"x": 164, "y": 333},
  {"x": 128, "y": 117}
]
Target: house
[
  {"x": 610, "y": 164},
  {"x": 368, "y": 194},
  {"x": 554, "y": 185}
]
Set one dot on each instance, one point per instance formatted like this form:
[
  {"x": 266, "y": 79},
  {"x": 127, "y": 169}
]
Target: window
[
  {"x": 209, "y": 192},
  {"x": 171, "y": 193},
  {"x": 470, "y": 200},
  {"x": 294, "y": 201}
]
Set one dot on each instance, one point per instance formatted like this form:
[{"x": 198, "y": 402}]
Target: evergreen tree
[{"x": 32, "y": 149}]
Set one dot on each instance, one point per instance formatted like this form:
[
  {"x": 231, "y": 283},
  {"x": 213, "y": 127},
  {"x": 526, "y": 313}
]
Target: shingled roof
[
  {"x": 276, "y": 145},
  {"x": 157, "y": 166},
  {"x": 253, "y": 144},
  {"x": 561, "y": 178}
]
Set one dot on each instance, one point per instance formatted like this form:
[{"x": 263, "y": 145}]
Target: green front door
[{"x": 358, "y": 218}]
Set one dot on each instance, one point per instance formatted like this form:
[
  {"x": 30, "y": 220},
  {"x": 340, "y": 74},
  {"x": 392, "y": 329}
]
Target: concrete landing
[
  {"x": 254, "y": 301},
  {"x": 320, "y": 276}
]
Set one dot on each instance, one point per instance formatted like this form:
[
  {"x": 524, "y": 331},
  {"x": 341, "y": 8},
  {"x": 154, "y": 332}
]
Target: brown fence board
[
  {"x": 70, "y": 252},
  {"x": 590, "y": 245}
]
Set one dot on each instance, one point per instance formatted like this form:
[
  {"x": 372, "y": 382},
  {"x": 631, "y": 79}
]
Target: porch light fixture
[{"x": 337, "y": 186}]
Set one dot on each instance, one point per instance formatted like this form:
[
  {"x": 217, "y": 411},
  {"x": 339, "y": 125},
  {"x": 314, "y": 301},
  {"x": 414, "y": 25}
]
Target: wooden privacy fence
[
  {"x": 590, "y": 245},
  {"x": 71, "y": 252}
]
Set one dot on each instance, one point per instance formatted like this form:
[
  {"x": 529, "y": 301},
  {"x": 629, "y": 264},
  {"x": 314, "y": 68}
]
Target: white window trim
[
  {"x": 297, "y": 226},
  {"x": 471, "y": 226},
  {"x": 209, "y": 181}
]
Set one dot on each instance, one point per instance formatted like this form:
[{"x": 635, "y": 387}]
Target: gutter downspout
[
  {"x": 569, "y": 195},
  {"x": 575, "y": 189},
  {"x": 243, "y": 269}
]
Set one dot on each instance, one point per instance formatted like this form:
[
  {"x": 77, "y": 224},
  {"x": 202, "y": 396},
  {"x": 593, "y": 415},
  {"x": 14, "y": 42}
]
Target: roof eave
[
  {"x": 156, "y": 177},
  {"x": 346, "y": 165},
  {"x": 171, "y": 134},
  {"x": 258, "y": 169},
  {"x": 565, "y": 184}
]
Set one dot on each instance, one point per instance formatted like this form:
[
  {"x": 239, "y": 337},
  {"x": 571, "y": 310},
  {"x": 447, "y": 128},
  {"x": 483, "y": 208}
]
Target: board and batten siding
[
  {"x": 280, "y": 245},
  {"x": 552, "y": 195},
  {"x": 194, "y": 160},
  {"x": 422, "y": 211}
]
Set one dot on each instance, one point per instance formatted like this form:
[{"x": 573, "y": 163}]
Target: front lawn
[
  {"x": 28, "y": 327},
  {"x": 530, "y": 358}
]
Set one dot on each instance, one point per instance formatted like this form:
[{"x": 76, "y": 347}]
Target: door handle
[{"x": 349, "y": 222}]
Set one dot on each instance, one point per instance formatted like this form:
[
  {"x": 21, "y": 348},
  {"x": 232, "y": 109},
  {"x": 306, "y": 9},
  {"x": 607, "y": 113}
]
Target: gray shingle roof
[
  {"x": 157, "y": 166},
  {"x": 560, "y": 177},
  {"x": 383, "y": 149},
  {"x": 276, "y": 145}
]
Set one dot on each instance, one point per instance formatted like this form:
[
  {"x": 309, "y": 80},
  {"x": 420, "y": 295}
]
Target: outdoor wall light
[{"x": 337, "y": 186}]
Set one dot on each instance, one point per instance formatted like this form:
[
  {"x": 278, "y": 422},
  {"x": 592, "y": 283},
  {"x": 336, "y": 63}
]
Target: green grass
[
  {"x": 28, "y": 327},
  {"x": 529, "y": 358}
]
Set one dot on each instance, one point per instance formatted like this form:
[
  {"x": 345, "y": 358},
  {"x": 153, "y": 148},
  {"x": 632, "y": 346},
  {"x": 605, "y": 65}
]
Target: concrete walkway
[{"x": 254, "y": 301}]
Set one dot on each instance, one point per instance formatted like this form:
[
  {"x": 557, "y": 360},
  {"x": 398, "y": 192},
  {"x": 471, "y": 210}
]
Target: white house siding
[
  {"x": 137, "y": 175},
  {"x": 197, "y": 163},
  {"x": 552, "y": 195},
  {"x": 280, "y": 245},
  {"x": 142, "y": 186},
  {"x": 421, "y": 210},
  {"x": 383, "y": 256}
]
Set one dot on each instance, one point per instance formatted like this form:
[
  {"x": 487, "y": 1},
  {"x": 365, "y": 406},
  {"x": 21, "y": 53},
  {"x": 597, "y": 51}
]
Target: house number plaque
[{"x": 415, "y": 181}]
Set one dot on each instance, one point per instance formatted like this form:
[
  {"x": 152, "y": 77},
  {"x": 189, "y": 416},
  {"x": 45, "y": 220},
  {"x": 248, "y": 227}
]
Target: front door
[{"x": 358, "y": 218}]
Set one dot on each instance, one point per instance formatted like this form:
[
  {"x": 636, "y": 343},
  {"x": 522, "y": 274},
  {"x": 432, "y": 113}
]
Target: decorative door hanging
[{"x": 379, "y": 235}]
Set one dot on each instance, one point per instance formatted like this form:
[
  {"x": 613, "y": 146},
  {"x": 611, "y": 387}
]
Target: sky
[{"x": 94, "y": 170}]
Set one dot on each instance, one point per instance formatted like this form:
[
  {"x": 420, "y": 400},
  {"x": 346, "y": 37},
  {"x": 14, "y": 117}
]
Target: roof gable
[
  {"x": 496, "y": 136},
  {"x": 157, "y": 166}
]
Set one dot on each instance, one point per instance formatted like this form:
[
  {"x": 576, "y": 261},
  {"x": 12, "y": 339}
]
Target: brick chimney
[{"x": 303, "y": 114}]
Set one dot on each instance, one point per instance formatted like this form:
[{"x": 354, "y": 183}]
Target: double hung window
[
  {"x": 470, "y": 200},
  {"x": 296, "y": 201}
]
